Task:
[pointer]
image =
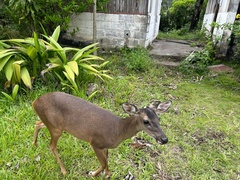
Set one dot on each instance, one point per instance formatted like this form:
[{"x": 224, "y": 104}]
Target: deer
[{"x": 59, "y": 111}]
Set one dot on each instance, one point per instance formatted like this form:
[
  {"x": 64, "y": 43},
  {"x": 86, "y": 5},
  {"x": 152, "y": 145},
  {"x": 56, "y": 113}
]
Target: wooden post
[{"x": 94, "y": 24}]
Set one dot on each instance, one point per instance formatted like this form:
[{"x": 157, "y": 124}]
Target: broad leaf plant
[{"x": 22, "y": 60}]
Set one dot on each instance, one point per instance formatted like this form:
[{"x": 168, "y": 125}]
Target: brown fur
[{"x": 103, "y": 130}]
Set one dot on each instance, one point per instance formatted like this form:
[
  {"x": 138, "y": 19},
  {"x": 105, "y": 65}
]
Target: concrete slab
[
  {"x": 220, "y": 68},
  {"x": 168, "y": 63},
  {"x": 174, "y": 50}
]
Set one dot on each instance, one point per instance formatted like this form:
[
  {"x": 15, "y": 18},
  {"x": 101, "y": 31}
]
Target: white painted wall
[
  {"x": 118, "y": 30},
  {"x": 154, "y": 7},
  {"x": 226, "y": 15}
]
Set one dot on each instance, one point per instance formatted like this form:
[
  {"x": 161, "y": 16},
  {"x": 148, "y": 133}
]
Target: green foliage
[
  {"x": 236, "y": 36},
  {"x": 29, "y": 14},
  {"x": 178, "y": 15},
  {"x": 13, "y": 96},
  {"x": 135, "y": 59},
  {"x": 181, "y": 12},
  {"x": 197, "y": 62},
  {"x": 217, "y": 38},
  {"x": 68, "y": 66},
  {"x": 23, "y": 59}
]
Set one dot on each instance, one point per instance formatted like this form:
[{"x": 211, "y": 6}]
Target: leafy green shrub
[
  {"x": 68, "y": 66},
  {"x": 236, "y": 34},
  {"x": 197, "y": 62},
  {"x": 136, "y": 59},
  {"x": 22, "y": 60},
  {"x": 29, "y": 15},
  {"x": 178, "y": 15},
  {"x": 13, "y": 96}
]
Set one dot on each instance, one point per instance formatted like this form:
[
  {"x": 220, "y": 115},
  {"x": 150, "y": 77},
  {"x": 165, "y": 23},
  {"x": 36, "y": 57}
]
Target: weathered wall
[
  {"x": 222, "y": 13},
  {"x": 127, "y": 7},
  {"x": 153, "y": 20},
  {"x": 113, "y": 30},
  {"x": 125, "y": 27}
]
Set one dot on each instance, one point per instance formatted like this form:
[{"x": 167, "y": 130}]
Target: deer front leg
[{"x": 102, "y": 155}]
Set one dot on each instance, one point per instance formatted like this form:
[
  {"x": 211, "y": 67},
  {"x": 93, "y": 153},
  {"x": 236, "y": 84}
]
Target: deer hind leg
[
  {"x": 106, "y": 170},
  {"x": 53, "y": 146},
  {"x": 39, "y": 125},
  {"x": 102, "y": 155}
]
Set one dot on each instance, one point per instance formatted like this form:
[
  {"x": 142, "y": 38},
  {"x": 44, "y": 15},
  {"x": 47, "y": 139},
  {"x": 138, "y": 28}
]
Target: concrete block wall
[{"x": 113, "y": 30}]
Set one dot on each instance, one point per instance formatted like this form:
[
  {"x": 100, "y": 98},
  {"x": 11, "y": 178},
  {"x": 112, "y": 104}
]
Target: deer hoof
[
  {"x": 64, "y": 172},
  {"x": 90, "y": 173}
]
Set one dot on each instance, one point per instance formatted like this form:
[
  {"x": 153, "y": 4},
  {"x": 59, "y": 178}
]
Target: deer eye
[{"x": 146, "y": 122}]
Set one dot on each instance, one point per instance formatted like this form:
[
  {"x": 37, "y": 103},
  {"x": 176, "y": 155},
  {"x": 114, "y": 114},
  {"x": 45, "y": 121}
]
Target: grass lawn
[{"x": 202, "y": 126}]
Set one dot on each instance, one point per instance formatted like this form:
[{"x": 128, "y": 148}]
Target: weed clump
[
  {"x": 136, "y": 59},
  {"x": 197, "y": 62}
]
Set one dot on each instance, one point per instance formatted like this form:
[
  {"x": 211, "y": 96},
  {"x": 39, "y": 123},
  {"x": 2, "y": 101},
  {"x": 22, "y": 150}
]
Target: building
[
  {"x": 223, "y": 12},
  {"x": 126, "y": 23}
]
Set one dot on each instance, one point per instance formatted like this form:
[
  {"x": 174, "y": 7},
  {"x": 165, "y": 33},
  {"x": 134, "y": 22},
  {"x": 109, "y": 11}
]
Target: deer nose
[{"x": 164, "y": 140}]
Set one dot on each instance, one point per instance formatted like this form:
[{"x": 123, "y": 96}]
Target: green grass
[
  {"x": 195, "y": 37},
  {"x": 202, "y": 126}
]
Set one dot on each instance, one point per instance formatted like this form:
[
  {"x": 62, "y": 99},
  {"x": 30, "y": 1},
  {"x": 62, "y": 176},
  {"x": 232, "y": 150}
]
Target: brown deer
[{"x": 103, "y": 130}]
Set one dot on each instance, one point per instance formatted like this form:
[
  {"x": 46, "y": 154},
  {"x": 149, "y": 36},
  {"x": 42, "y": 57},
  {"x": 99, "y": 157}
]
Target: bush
[
  {"x": 136, "y": 59},
  {"x": 22, "y": 60},
  {"x": 236, "y": 36},
  {"x": 197, "y": 62},
  {"x": 30, "y": 15},
  {"x": 178, "y": 15}
]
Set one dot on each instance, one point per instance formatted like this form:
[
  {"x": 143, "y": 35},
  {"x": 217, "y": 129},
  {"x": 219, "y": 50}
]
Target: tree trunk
[{"x": 196, "y": 15}]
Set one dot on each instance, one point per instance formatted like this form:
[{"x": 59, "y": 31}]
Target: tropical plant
[
  {"x": 13, "y": 96},
  {"x": 23, "y": 59},
  {"x": 67, "y": 62}
]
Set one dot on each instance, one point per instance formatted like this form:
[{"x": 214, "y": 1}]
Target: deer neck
[{"x": 127, "y": 128}]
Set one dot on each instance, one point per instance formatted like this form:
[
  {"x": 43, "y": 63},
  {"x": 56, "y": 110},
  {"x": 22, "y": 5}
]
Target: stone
[{"x": 220, "y": 68}]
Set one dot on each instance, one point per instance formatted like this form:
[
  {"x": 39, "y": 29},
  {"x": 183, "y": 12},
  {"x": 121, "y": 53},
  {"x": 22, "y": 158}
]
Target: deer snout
[
  {"x": 162, "y": 140},
  {"x": 165, "y": 140}
]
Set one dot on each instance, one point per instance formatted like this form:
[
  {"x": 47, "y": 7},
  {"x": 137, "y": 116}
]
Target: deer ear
[
  {"x": 160, "y": 107},
  {"x": 130, "y": 108},
  {"x": 154, "y": 104}
]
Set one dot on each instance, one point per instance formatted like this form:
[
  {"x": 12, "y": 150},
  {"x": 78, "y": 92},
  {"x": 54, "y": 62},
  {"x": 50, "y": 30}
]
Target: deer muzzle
[{"x": 162, "y": 140}]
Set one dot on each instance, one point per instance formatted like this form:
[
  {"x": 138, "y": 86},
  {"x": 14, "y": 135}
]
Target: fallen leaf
[
  {"x": 37, "y": 158},
  {"x": 129, "y": 176}
]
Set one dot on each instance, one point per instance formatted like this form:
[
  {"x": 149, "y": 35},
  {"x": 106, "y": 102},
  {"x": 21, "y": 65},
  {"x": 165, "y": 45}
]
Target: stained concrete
[{"x": 171, "y": 52}]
